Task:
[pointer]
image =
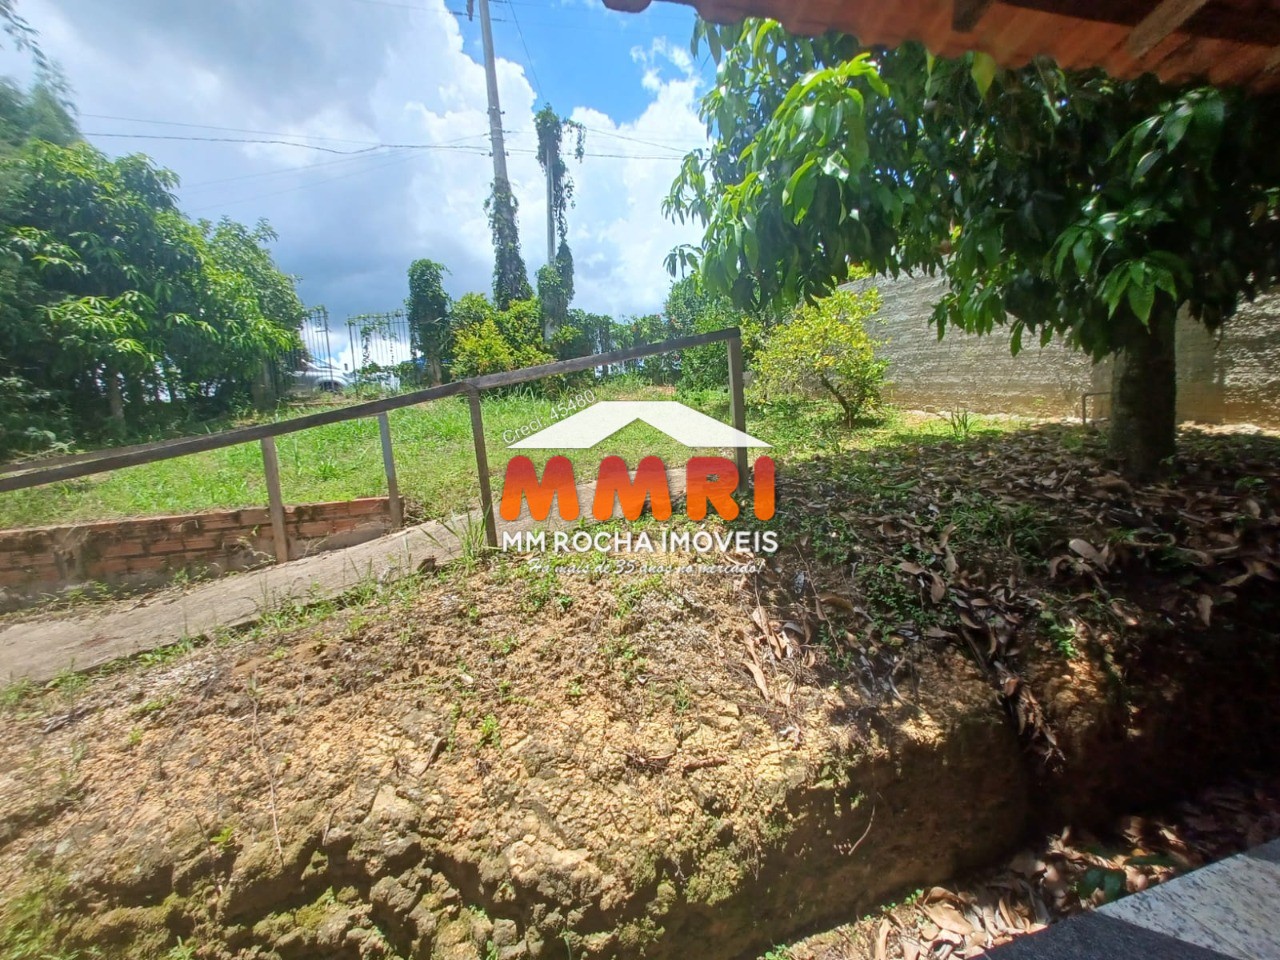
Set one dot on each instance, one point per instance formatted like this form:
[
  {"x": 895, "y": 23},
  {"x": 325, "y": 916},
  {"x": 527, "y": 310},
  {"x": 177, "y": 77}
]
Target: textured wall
[
  {"x": 1233, "y": 377},
  {"x": 151, "y": 550}
]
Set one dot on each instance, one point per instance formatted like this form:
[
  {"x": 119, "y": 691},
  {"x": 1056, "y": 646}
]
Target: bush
[
  {"x": 489, "y": 340},
  {"x": 693, "y": 310},
  {"x": 825, "y": 348}
]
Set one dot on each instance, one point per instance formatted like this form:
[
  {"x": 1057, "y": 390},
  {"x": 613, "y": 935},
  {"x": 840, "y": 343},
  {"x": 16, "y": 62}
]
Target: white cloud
[{"x": 350, "y": 224}]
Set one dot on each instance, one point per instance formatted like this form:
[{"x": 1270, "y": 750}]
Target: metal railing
[{"x": 21, "y": 476}]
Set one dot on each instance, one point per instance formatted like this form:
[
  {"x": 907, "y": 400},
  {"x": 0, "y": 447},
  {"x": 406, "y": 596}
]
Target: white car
[{"x": 318, "y": 378}]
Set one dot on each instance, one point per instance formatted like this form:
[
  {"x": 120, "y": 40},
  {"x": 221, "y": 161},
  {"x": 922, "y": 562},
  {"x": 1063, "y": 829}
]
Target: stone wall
[
  {"x": 1231, "y": 377},
  {"x": 42, "y": 561}
]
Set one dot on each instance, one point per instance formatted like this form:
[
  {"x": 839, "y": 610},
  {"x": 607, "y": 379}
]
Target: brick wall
[
  {"x": 149, "y": 551},
  {"x": 1232, "y": 377}
]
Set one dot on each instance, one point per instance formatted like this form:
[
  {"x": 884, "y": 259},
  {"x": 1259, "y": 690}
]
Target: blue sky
[{"x": 329, "y": 77}]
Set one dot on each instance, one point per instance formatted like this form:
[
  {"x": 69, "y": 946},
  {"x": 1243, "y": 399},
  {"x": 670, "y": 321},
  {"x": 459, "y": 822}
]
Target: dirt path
[{"x": 39, "y": 649}]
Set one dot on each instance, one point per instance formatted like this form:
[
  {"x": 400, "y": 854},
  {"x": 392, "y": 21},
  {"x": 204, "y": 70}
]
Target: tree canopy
[
  {"x": 1058, "y": 202},
  {"x": 428, "y": 306},
  {"x": 116, "y": 310}
]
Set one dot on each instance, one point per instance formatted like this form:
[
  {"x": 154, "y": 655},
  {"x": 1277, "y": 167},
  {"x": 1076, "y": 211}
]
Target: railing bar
[
  {"x": 168, "y": 449},
  {"x": 482, "y": 468},
  {"x": 275, "y": 502},
  {"x": 738, "y": 406},
  {"x": 389, "y": 465}
]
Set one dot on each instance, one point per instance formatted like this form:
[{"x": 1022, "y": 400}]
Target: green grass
[
  {"x": 435, "y": 464},
  {"x": 435, "y": 459}
]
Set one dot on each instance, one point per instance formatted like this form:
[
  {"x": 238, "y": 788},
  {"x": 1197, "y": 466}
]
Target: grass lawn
[{"x": 435, "y": 461}]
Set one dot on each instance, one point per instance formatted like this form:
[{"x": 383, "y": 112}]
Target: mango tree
[{"x": 1055, "y": 203}]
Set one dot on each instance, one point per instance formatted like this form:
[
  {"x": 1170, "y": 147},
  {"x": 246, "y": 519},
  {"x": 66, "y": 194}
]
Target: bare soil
[{"x": 959, "y": 640}]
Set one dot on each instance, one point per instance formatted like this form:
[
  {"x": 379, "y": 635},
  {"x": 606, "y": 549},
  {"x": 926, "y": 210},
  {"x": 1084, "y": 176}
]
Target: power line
[
  {"x": 266, "y": 133},
  {"x": 647, "y": 143},
  {"x": 280, "y": 171},
  {"x": 673, "y": 145},
  {"x": 408, "y": 6},
  {"x": 650, "y": 14},
  {"x": 528, "y": 56},
  {"x": 306, "y": 186},
  {"x": 291, "y": 143},
  {"x": 210, "y": 126},
  {"x": 285, "y": 143},
  {"x": 464, "y": 148}
]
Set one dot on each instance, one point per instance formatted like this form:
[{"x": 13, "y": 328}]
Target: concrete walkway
[
  {"x": 1225, "y": 910},
  {"x": 39, "y": 649}
]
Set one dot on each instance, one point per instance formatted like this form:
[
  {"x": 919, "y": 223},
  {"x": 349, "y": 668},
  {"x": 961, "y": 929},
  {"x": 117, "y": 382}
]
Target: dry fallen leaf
[
  {"x": 837, "y": 601},
  {"x": 758, "y": 675},
  {"x": 949, "y": 918},
  {"x": 1087, "y": 550},
  {"x": 1204, "y": 606},
  {"x": 882, "y": 941}
]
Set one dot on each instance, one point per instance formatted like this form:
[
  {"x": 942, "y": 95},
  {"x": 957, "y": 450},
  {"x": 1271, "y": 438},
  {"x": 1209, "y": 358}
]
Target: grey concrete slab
[
  {"x": 1230, "y": 906},
  {"x": 1228, "y": 909},
  {"x": 1096, "y": 937}
]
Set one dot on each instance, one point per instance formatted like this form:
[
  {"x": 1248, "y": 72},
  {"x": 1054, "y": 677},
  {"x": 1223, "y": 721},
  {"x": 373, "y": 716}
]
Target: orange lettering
[
  {"x": 765, "y": 473},
  {"x": 711, "y": 481},
  {"x": 614, "y": 483},
  {"x": 522, "y": 482}
]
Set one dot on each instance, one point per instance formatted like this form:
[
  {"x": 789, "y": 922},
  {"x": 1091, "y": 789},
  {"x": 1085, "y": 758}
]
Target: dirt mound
[
  {"x": 506, "y": 764},
  {"x": 509, "y": 761}
]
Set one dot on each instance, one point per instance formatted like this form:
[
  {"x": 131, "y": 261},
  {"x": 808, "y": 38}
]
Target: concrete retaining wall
[
  {"x": 40, "y": 561},
  {"x": 1231, "y": 377}
]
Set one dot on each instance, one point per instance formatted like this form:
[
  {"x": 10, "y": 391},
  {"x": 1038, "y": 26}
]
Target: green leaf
[
  {"x": 1175, "y": 128},
  {"x": 1083, "y": 254},
  {"x": 983, "y": 71},
  {"x": 1142, "y": 294},
  {"x": 793, "y": 182},
  {"x": 804, "y": 192},
  {"x": 751, "y": 245},
  {"x": 835, "y": 166},
  {"x": 1113, "y": 288},
  {"x": 807, "y": 115},
  {"x": 1148, "y": 161}
]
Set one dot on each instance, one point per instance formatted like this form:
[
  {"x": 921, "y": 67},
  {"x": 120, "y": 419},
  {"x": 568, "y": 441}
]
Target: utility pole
[
  {"x": 495, "y": 110},
  {"x": 510, "y": 281}
]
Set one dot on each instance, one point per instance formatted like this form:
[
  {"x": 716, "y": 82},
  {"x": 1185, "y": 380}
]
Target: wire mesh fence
[{"x": 367, "y": 353}]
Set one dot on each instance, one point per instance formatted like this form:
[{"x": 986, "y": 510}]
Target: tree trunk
[
  {"x": 115, "y": 400},
  {"x": 844, "y": 404},
  {"x": 261, "y": 388},
  {"x": 1144, "y": 393},
  {"x": 436, "y": 371}
]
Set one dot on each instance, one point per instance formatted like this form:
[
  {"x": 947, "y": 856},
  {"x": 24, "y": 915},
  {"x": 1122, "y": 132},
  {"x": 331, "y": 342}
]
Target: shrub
[
  {"x": 488, "y": 340},
  {"x": 692, "y": 309},
  {"x": 825, "y": 348}
]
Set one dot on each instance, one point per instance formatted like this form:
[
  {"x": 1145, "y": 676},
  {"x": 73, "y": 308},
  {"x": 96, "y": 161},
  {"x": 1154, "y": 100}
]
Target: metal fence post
[
  {"x": 389, "y": 464},
  {"x": 738, "y": 405},
  {"x": 482, "y": 467},
  {"x": 328, "y": 347},
  {"x": 275, "y": 503}
]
